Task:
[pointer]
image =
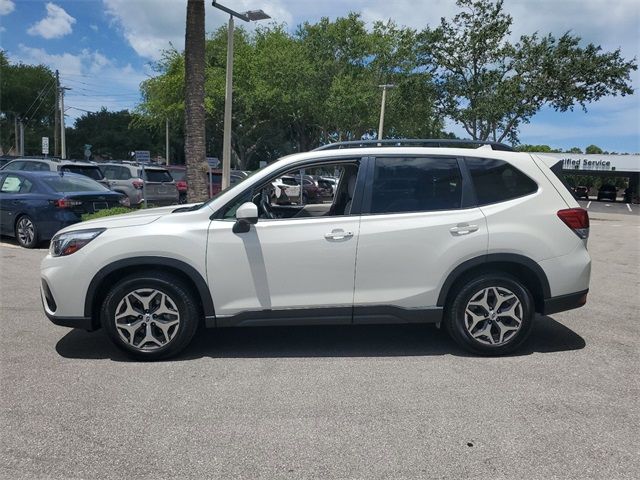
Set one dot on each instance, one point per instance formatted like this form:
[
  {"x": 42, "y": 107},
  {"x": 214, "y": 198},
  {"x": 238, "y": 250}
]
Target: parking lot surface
[
  {"x": 619, "y": 208},
  {"x": 366, "y": 402}
]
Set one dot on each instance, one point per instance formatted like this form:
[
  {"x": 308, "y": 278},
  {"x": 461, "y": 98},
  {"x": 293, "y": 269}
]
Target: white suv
[{"x": 476, "y": 239}]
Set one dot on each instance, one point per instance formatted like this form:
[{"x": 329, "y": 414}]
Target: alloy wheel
[
  {"x": 26, "y": 231},
  {"x": 147, "y": 319},
  {"x": 493, "y": 316}
]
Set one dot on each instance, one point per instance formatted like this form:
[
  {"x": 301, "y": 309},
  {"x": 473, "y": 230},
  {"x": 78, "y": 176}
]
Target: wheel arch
[
  {"x": 521, "y": 267},
  {"x": 106, "y": 277}
]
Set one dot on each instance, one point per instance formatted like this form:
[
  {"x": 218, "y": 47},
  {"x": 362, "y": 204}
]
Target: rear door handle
[
  {"x": 463, "y": 229},
  {"x": 338, "y": 234}
]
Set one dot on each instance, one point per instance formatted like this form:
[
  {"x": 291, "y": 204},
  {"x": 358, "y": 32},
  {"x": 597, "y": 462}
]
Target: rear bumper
[{"x": 562, "y": 303}]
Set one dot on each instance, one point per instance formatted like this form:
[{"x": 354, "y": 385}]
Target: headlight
[{"x": 70, "y": 242}]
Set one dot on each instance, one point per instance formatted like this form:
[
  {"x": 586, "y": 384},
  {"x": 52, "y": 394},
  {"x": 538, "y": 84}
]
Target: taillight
[
  {"x": 66, "y": 203},
  {"x": 577, "y": 219},
  {"x": 138, "y": 184}
]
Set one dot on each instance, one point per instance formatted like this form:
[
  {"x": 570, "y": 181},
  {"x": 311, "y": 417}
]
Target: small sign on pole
[
  {"x": 45, "y": 145},
  {"x": 142, "y": 155}
]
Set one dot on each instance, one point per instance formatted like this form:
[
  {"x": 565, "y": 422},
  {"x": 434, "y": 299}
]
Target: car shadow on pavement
[{"x": 322, "y": 341}]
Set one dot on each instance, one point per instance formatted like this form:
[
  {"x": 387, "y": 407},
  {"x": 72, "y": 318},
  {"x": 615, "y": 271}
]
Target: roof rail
[{"x": 410, "y": 142}]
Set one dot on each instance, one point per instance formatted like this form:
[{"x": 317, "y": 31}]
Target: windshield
[
  {"x": 87, "y": 171},
  {"x": 63, "y": 184}
]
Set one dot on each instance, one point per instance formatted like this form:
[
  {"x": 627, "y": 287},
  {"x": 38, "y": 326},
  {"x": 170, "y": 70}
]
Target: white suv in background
[{"x": 476, "y": 239}]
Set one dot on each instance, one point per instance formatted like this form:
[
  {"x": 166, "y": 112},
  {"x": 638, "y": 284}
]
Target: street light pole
[
  {"x": 228, "y": 99},
  {"x": 384, "y": 101},
  {"x": 249, "y": 16}
]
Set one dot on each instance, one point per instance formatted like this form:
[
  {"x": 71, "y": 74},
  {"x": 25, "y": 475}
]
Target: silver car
[{"x": 156, "y": 183}]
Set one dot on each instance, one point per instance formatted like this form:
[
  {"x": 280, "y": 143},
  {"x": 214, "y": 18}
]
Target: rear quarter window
[{"x": 498, "y": 181}]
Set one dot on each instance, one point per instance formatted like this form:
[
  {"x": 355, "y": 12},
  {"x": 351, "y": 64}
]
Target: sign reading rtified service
[{"x": 599, "y": 163}]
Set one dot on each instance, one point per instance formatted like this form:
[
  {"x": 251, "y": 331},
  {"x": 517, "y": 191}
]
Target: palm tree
[{"x": 194, "y": 132}]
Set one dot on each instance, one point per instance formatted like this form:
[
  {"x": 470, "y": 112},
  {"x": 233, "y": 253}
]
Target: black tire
[
  {"x": 29, "y": 238},
  {"x": 180, "y": 296},
  {"x": 456, "y": 320}
]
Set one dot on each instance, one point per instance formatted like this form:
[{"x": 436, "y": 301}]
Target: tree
[
  {"x": 194, "y": 143},
  {"x": 492, "y": 86},
  {"x": 112, "y": 135},
  {"x": 28, "y": 92},
  {"x": 593, "y": 149},
  {"x": 537, "y": 148},
  {"x": 574, "y": 150},
  {"x": 295, "y": 91}
]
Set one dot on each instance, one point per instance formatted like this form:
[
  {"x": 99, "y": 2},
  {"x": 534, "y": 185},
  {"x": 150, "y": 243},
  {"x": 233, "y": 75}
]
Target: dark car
[
  {"x": 608, "y": 192},
  {"x": 581, "y": 192},
  {"x": 35, "y": 205}
]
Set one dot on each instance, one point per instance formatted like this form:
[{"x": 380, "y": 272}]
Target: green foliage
[
  {"x": 108, "y": 212},
  {"x": 537, "y": 148},
  {"x": 112, "y": 135},
  {"x": 593, "y": 149},
  {"x": 492, "y": 86},
  {"x": 574, "y": 150},
  {"x": 295, "y": 91},
  {"x": 26, "y": 91}
]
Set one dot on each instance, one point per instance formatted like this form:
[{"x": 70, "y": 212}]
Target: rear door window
[
  {"x": 497, "y": 181},
  {"x": 415, "y": 184},
  {"x": 16, "y": 184},
  {"x": 114, "y": 172}
]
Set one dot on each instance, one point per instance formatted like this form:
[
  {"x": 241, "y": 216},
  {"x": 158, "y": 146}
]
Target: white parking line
[
  {"x": 629, "y": 207},
  {"x": 589, "y": 204}
]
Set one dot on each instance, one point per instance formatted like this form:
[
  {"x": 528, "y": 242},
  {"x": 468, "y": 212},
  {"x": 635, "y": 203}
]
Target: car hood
[{"x": 132, "y": 219}]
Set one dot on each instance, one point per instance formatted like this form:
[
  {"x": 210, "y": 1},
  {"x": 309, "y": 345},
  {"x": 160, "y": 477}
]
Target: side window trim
[
  {"x": 219, "y": 213},
  {"x": 469, "y": 198}
]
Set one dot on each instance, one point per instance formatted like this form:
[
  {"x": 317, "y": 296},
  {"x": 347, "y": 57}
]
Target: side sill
[
  {"x": 360, "y": 315},
  {"x": 563, "y": 303},
  {"x": 385, "y": 314}
]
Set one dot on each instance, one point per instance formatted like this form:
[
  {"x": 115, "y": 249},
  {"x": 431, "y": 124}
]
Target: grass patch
[{"x": 105, "y": 213}]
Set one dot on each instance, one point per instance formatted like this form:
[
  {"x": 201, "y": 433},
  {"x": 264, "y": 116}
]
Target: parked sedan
[
  {"x": 35, "y": 205},
  {"x": 581, "y": 192}
]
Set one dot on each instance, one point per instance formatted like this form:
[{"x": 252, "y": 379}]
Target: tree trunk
[{"x": 194, "y": 135}]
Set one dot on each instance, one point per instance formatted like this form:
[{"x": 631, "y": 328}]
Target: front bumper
[
  {"x": 563, "y": 303},
  {"x": 50, "y": 307}
]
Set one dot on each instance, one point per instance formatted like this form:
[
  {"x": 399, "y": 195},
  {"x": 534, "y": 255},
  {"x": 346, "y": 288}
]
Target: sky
[{"x": 105, "y": 48}]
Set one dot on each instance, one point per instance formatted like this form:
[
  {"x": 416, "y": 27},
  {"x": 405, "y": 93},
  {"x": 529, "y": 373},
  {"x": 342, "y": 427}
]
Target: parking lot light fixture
[{"x": 248, "y": 16}]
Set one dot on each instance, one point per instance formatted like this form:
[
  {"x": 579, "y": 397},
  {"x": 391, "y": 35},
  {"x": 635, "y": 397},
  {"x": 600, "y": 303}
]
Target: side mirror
[{"x": 246, "y": 215}]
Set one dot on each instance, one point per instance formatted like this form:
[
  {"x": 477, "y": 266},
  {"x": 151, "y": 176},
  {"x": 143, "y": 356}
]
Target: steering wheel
[{"x": 265, "y": 204}]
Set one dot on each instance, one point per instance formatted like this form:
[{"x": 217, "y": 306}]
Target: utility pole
[
  {"x": 21, "y": 137},
  {"x": 15, "y": 129},
  {"x": 63, "y": 139},
  {"x": 56, "y": 118},
  {"x": 384, "y": 101},
  {"x": 166, "y": 141}
]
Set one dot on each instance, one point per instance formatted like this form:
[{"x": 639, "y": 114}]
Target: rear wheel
[
  {"x": 150, "y": 316},
  {"x": 26, "y": 232},
  {"x": 491, "y": 315}
]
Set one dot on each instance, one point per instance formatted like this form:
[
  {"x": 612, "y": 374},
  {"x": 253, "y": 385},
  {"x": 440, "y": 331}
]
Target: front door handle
[
  {"x": 338, "y": 234},
  {"x": 463, "y": 229}
]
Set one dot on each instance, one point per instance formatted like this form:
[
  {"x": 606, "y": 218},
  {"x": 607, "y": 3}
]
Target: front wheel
[
  {"x": 491, "y": 315},
  {"x": 151, "y": 315}
]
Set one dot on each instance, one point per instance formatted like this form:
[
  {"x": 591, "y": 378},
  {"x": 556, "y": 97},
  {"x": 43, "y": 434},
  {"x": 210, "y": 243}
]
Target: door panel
[
  {"x": 403, "y": 259},
  {"x": 282, "y": 264}
]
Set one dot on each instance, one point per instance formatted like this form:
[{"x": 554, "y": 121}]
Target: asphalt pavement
[{"x": 367, "y": 402}]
